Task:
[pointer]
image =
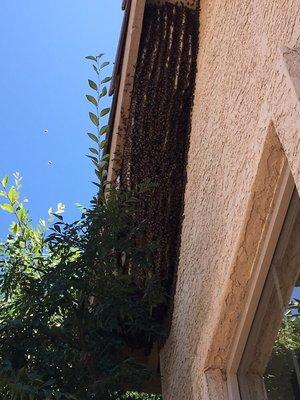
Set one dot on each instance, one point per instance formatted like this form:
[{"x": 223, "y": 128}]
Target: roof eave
[{"x": 123, "y": 78}]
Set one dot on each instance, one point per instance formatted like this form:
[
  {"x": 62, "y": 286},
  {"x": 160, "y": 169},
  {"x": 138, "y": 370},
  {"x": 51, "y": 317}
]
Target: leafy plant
[
  {"x": 71, "y": 315},
  {"x": 99, "y": 91},
  {"x": 280, "y": 377},
  {"x": 289, "y": 335}
]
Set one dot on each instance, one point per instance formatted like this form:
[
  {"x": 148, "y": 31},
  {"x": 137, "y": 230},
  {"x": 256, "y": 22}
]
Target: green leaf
[
  {"x": 13, "y": 195},
  {"x": 96, "y": 163},
  {"x": 105, "y": 111},
  {"x": 92, "y": 150},
  {"x": 93, "y": 137},
  {"x": 91, "y": 58},
  {"x": 4, "y": 181},
  {"x": 93, "y": 158},
  {"x": 95, "y": 69},
  {"x": 107, "y": 79},
  {"x": 92, "y": 100},
  {"x": 100, "y": 55},
  {"x": 7, "y": 207},
  {"x": 104, "y": 92},
  {"x": 2, "y": 194},
  {"x": 22, "y": 215},
  {"x": 58, "y": 216},
  {"x": 15, "y": 228},
  {"x": 92, "y": 84},
  {"x": 105, "y": 64},
  {"x": 104, "y": 129},
  {"x": 94, "y": 119},
  {"x": 98, "y": 174},
  {"x": 57, "y": 228},
  {"x": 106, "y": 157},
  {"x": 102, "y": 144}
]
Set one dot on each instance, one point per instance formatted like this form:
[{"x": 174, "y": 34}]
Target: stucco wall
[{"x": 246, "y": 107}]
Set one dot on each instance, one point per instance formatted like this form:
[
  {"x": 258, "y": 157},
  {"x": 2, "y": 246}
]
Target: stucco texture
[{"x": 245, "y": 123}]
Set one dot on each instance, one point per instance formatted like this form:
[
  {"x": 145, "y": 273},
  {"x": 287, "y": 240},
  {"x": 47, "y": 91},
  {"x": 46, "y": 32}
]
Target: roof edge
[{"x": 123, "y": 79}]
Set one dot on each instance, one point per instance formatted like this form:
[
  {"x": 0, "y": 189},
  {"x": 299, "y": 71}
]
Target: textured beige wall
[{"x": 246, "y": 107}]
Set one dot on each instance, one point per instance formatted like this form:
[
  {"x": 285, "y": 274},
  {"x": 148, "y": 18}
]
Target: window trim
[{"x": 285, "y": 190}]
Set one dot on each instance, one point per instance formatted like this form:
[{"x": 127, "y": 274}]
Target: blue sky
[{"x": 43, "y": 81}]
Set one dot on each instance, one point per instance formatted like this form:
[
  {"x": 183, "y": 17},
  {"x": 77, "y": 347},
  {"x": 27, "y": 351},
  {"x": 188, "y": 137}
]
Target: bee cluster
[
  {"x": 158, "y": 127},
  {"x": 188, "y": 3}
]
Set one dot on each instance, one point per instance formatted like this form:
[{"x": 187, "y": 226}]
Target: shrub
[{"x": 72, "y": 316}]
